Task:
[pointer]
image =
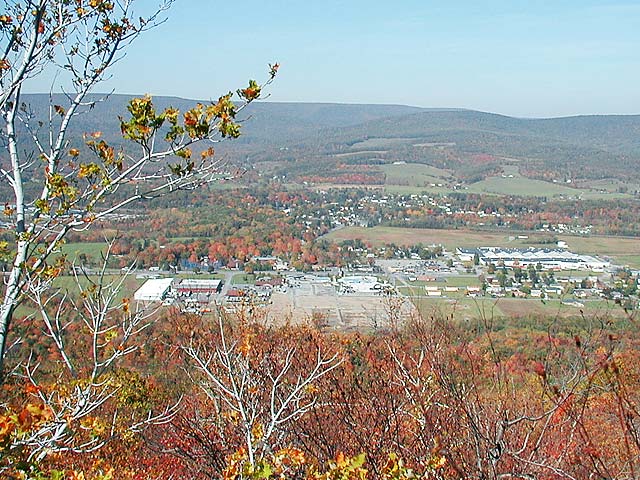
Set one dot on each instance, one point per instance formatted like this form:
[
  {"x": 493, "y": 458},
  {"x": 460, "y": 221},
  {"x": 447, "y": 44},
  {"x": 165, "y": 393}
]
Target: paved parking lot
[{"x": 319, "y": 302}]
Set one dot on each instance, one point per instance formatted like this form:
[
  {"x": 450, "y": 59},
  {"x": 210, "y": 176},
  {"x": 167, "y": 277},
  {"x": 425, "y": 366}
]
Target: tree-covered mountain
[{"x": 311, "y": 133}]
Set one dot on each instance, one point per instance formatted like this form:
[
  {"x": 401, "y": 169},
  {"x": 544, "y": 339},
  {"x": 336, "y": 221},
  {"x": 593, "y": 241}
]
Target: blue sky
[{"x": 523, "y": 58}]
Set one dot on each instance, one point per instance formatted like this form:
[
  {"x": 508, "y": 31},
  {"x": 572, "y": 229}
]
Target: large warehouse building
[
  {"x": 548, "y": 258},
  {"x": 191, "y": 286},
  {"x": 154, "y": 290}
]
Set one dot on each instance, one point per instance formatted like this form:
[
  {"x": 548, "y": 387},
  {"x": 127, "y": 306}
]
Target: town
[{"x": 358, "y": 295}]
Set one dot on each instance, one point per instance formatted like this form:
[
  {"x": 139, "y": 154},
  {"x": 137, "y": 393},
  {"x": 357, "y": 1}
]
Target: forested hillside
[{"x": 308, "y": 136}]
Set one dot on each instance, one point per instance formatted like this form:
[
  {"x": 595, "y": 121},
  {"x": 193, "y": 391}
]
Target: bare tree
[
  {"x": 265, "y": 394},
  {"x": 90, "y": 399},
  {"x": 79, "y": 41}
]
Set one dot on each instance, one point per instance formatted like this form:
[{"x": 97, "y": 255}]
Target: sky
[{"x": 532, "y": 58}]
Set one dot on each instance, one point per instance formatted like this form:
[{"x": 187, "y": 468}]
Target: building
[
  {"x": 153, "y": 290},
  {"x": 191, "y": 286},
  {"x": 359, "y": 284},
  {"x": 547, "y": 258}
]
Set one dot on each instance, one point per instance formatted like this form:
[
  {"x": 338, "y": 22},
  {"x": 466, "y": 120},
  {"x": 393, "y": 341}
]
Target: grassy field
[
  {"x": 130, "y": 285},
  {"x": 461, "y": 309},
  {"x": 632, "y": 261},
  {"x": 451, "y": 239},
  {"x": 594, "y": 309},
  {"x": 200, "y": 276},
  {"x": 620, "y": 249},
  {"x": 417, "y": 178},
  {"x": 414, "y": 174},
  {"x": 93, "y": 250},
  {"x": 489, "y": 308},
  {"x": 413, "y": 190},
  {"x": 243, "y": 278},
  {"x": 625, "y": 251},
  {"x": 360, "y": 152},
  {"x": 523, "y": 186},
  {"x": 380, "y": 143},
  {"x": 414, "y": 178},
  {"x": 67, "y": 284},
  {"x": 609, "y": 185}
]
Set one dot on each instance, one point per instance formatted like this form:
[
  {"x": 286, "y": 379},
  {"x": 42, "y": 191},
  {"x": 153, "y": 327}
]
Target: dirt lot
[{"x": 321, "y": 304}]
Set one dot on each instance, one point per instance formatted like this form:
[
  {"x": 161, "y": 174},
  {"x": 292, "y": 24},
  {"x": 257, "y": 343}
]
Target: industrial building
[
  {"x": 193, "y": 286},
  {"x": 549, "y": 259},
  {"x": 360, "y": 284},
  {"x": 153, "y": 290}
]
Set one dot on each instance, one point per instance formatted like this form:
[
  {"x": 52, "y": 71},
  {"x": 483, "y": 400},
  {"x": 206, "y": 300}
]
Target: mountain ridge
[{"x": 596, "y": 143}]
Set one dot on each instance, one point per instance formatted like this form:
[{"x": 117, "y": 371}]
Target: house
[
  {"x": 474, "y": 291},
  {"x": 235, "y": 295},
  {"x": 271, "y": 281}
]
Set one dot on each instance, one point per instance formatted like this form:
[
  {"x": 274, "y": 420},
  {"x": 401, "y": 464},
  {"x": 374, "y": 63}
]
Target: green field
[
  {"x": 380, "y": 143},
  {"x": 523, "y": 186},
  {"x": 418, "y": 178},
  {"x": 414, "y": 178},
  {"x": 67, "y": 284},
  {"x": 94, "y": 250},
  {"x": 414, "y": 174},
  {"x": 610, "y": 185},
  {"x": 632, "y": 261},
  {"x": 129, "y": 286},
  {"x": 489, "y": 308},
  {"x": 359, "y": 153},
  {"x": 200, "y": 276},
  {"x": 378, "y": 236},
  {"x": 413, "y": 190},
  {"x": 460, "y": 308},
  {"x": 622, "y": 250},
  {"x": 243, "y": 278}
]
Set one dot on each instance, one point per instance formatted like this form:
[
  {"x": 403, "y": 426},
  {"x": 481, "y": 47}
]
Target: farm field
[
  {"x": 67, "y": 284},
  {"x": 602, "y": 245},
  {"x": 524, "y": 187},
  {"x": 360, "y": 152},
  {"x": 415, "y": 190},
  {"x": 414, "y": 174},
  {"x": 93, "y": 250},
  {"x": 466, "y": 309},
  {"x": 414, "y": 178},
  {"x": 129, "y": 285},
  {"x": 380, "y": 143},
  {"x": 451, "y": 239},
  {"x": 623, "y": 250},
  {"x": 593, "y": 308},
  {"x": 514, "y": 308}
]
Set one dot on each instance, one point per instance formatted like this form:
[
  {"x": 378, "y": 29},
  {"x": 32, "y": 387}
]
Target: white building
[
  {"x": 549, "y": 259},
  {"x": 153, "y": 290},
  {"x": 360, "y": 284}
]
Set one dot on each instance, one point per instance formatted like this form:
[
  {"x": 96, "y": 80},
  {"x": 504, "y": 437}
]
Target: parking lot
[{"x": 320, "y": 303}]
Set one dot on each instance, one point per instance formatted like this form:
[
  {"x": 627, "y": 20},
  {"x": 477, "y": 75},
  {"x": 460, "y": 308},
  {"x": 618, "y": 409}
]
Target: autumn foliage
[{"x": 432, "y": 399}]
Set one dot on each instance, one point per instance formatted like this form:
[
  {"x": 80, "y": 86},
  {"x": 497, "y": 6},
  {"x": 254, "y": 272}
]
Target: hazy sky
[{"x": 523, "y": 58}]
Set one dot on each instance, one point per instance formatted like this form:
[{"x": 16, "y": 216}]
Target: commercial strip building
[
  {"x": 190, "y": 286},
  {"x": 548, "y": 258}
]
